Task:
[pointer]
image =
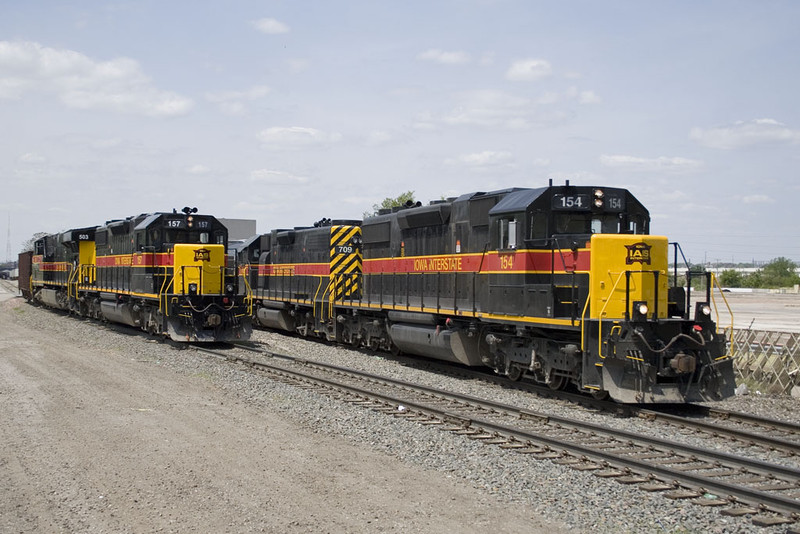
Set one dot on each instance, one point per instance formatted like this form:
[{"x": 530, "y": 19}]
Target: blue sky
[{"x": 290, "y": 111}]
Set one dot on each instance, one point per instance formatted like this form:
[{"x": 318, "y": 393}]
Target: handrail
[
  {"x": 164, "y": 287},
  {"x": 600, "y": 318},
  {"x": 676, "y": 248},
  {"x": 716, "y": 315},
  {"x": 70, "y": 282},
  {"x": 583, "y": 319},
  {"x": 249, "y": 290}
]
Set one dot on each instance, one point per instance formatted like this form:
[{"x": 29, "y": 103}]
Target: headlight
[
  {"x": 193, "y": 289},
  {"x": 598, "y": 202},
  {"x": 229, "y": 289},
  {"x": 640, "y": 310},
  {"x": 702, "y": 312},
  {"x": 598, "y": 193}
]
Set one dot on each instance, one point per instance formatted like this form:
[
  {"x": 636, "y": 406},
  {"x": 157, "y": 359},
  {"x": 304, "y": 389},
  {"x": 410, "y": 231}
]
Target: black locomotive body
[
  {"x": 561, "y": 284},
  {"x": 165, "y": 273}
]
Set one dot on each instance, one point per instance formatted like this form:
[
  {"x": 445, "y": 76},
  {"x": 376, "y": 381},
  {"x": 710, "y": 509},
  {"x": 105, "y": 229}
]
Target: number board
[
  {"x": 577, "y": 202},
  {"x": 615, "y": 203},
  {"x": 174, "y": 223}
]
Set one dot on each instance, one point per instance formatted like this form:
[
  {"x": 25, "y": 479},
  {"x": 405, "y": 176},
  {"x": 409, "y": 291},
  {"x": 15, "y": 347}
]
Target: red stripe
[
  {"x": 512, "y": 261},
  {"x": 53, "y": 266},
  {"x": 299, "y": 269},
  {"x": 146, "y": 259}
]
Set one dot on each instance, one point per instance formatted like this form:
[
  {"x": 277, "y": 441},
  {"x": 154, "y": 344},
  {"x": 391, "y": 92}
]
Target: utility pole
[{"x": 8, "y": 239}]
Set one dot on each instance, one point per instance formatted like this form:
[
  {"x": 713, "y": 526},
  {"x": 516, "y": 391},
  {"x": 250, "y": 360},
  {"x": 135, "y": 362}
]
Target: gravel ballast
[{"x": 577, "y": 500}]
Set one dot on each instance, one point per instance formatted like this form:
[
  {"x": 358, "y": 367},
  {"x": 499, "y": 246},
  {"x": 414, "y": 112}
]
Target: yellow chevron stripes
[{"x": 345, "y": 262}]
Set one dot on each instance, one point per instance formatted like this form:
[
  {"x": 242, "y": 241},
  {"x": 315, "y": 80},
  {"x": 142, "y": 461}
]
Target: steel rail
[
  {"x": 648, "y": 413},
  {"x": 758, "y": 465},
  {"x": 791, "y": 447},
  {"x": 736, "y": 492}
]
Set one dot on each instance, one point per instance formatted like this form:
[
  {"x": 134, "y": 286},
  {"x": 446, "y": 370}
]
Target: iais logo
[
  {"x": 638, "y": 253},
  {"x": 203, "y": 254}
]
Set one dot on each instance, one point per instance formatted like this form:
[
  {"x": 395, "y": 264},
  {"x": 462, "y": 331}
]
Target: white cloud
[
  {"x": 270, "y": 26},
  {"x": 198, "y": 169},
  {"x": 499, "y": 109},
  {"x": 379, "y": 138},
  {"x": 588, "y": 97},
  {"x": 491, "y": 108},
  {"x": 297, "y": 65},
  {"x": 524, "y": 70},
  {"x": 445, "y": 58},
  {"x": 266, "y": 176},
  {"x": 80, "y": 82},
  {"x": 295, "y": 137},
  {"x": 32, "y": 158},
  {"x": 758, "y": 199},
  {"x": 743, "y": 134},
  {"x": 488, "y": 160},
  {"x": 106, "y": 143},
  {"x": 233, "y": 102},
  {"x": 541, "y": 162},
  {"x": 662, "y": 163}
]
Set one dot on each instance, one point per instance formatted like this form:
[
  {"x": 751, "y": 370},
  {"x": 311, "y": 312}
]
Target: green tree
[
  {"x": 780, "y": 272},
  {"x": 730, "y": 278},
  {"x": 388, "y": 203},
  {"x": 755, "y": 279}
]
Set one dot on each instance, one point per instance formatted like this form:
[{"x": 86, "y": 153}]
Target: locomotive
[
  {"x": 563, "y": 285},
  {"x": 165, "y": 273}
]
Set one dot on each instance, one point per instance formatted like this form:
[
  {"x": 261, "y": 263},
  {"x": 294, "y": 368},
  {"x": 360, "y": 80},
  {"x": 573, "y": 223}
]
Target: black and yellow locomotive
[
  {"x": 561, "y": 284},
  {"x": 166, "y": 273}
]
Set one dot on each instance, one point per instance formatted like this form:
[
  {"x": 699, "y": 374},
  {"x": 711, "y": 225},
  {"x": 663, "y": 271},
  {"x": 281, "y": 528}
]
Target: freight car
[
  {"x": 560, "y": 284},
  {"x": 166, "y": 273}
]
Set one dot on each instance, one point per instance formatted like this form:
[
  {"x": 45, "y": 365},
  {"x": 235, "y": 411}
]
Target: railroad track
[
  {"x": 768, "y": 491},
  {"x": 748, "y": 430},
  {"x": 769, "y": 435},
  {"x": 9, "y": 285}
]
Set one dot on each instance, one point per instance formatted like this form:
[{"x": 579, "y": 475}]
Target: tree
[
  {"x": 780, "y": 272},
  {"x": 730, "y": 278},
  {"x": 28, "y": 245},
  {"x": 389, "y": 203}
]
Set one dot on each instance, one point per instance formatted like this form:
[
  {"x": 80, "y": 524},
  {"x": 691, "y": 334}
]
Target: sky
[{"x": 290, "y": 111}]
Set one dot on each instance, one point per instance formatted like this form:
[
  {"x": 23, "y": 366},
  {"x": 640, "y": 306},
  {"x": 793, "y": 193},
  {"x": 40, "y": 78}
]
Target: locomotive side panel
[
  {"x": 528, "y": 282},
  {"x": 125, "y": 272}
]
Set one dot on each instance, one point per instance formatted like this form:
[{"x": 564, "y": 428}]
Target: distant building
[{"x": 239, "y": 229}]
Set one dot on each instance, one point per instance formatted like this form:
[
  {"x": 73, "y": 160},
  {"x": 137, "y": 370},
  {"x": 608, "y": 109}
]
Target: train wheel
[
  {"x": 557, "y": 382},
  {"x": 515, "y": 373}
]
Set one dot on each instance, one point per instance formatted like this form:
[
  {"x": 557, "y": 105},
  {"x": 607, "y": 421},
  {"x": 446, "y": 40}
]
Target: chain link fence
[{"x": 767, "y": 361}]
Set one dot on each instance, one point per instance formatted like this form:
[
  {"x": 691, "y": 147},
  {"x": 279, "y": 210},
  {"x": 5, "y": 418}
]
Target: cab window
[{"x": 508, "y": 234}]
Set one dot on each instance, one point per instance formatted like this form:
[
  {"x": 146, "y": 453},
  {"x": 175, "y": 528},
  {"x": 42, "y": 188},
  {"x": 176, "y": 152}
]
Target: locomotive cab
[{"x": 583, "y": 257}]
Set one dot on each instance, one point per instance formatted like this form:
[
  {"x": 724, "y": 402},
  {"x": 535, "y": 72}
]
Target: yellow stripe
[{"x": 444, "y": 311}]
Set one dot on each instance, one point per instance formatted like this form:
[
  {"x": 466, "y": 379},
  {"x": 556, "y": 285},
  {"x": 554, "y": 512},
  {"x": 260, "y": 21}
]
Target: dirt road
[{"x": 100, "y": 439}]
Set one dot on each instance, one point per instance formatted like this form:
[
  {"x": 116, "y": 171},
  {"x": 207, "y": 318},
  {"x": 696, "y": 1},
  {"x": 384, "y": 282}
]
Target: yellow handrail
[
  {"x": 714, "y": 283},
  {"x": 162, "y": 292},
  {"x": 249, "y": 294},
  {"x": 70, "y": 281},
  {"x": 583, "y": 319},
  {"x": 600, "y": 318}
]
